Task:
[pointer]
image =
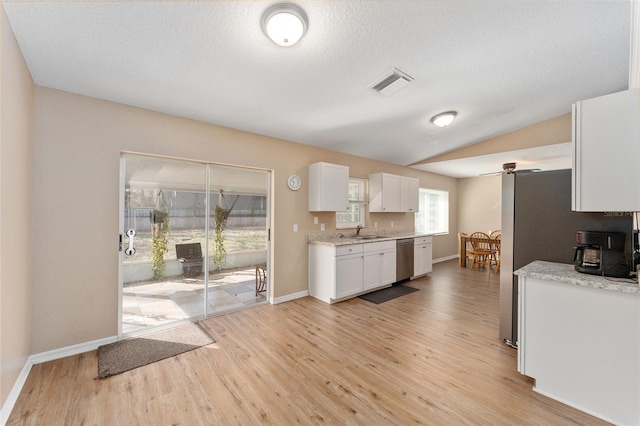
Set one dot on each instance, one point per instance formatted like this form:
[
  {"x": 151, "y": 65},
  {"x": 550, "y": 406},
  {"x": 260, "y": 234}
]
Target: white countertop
[
  {"x": 349, "y": 238},
  {"x": 566, "y": 273}
]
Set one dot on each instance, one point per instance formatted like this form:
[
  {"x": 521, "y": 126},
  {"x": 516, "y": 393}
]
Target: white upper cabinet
[
  {"x": 328, "y": 187},
  {"x": 606, "y": 153},
  {"x": 384, "y": 192},
  {"x": 392, "y": 193},
  {"x": 409, "y": 190}
]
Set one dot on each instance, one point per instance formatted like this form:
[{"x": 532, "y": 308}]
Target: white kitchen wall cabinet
[
  {"x": 384, "y": 192},
  {"x": 606, "y": 153},
  {"x": 379, "y": 264},
  {"x": 392, "y": 193},
  {"x": 409, "y": 194},
  {"x": 422, "y": 256},
  {"x": 328, "y": 187}
]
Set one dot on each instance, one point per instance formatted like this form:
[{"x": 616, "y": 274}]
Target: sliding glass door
[{"x": 192, "y": 235}]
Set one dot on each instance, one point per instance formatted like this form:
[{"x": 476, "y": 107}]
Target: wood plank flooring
[{"x": 431, "y": 357}]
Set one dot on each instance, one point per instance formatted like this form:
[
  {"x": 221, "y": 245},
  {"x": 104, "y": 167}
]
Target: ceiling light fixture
[
  {"x": 444, "y": 119},
  {"x": 284, "y": 23}
]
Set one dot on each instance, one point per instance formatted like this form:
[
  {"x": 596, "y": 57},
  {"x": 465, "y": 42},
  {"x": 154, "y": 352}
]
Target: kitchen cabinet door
[
  {"x": 379, "y": 264},
  {"x": 606, "y": 153},
  {"x": 422, "y": 256},
  {"x": 388, "y": 266},
  {"x": 384, "y": 192},
  {"x": 371, "y": 271},
  {"x": 328, "y": 187},
  {"x": 409, "y": 194},
  {"x": 348, "y": 275}
]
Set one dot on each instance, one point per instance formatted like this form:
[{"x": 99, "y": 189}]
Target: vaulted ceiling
[{"x": 501, "y": 65}]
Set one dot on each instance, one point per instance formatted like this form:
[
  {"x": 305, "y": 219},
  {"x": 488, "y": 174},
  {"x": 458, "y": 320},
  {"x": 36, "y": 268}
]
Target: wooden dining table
[{"x": 462, "y": 248}]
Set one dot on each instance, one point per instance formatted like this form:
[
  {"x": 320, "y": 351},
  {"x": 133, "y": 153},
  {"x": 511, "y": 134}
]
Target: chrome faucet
[{"x": 358, "y": 228}]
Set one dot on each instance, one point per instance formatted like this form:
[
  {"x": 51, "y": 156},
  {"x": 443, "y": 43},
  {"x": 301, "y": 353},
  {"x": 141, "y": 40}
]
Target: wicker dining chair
[
  {"x": 480, "y": 249},
  {"x": 495, "y": 251}
]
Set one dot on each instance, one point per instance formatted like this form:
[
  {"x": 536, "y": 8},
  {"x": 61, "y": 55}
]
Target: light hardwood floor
[{"x": 430, "y": 357}]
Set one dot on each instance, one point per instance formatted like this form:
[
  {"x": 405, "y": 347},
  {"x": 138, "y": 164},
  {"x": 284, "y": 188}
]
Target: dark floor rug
[
  {"x": 127, "y": 354},
  {"x": 389, "y": 293}
]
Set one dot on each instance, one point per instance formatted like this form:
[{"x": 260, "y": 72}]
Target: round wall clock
[{"x": 294, "y": 182}]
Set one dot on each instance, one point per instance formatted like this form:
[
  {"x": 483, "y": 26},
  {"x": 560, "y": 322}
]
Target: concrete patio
[{"x": 152, "y": 304}]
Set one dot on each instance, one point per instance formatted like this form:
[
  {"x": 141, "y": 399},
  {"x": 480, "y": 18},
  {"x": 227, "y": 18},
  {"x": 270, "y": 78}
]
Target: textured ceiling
[{"x": 502, "y": 65}]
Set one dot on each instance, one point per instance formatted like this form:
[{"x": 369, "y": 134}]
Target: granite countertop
[
  {"x": 349, "y": 237},
  {"x": 566, "y": 273}
]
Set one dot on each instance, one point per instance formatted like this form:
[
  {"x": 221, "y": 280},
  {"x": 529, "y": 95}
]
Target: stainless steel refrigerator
[{"x": 538, "y": 224}]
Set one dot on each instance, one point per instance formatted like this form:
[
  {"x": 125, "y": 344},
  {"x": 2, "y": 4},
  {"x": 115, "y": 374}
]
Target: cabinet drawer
[
  {"x": 350, "y": 249},
  {"x": 422, "y": 240},
  {"x": 379, "y": 246}
]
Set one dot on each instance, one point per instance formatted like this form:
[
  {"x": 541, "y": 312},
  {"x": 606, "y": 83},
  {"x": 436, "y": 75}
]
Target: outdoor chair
[
  {"x": 190, "y": 257},
  {"x": 261, "y": 278}
]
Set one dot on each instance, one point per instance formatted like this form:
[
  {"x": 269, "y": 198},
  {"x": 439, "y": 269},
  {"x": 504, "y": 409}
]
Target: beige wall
[
  {"x": 16, "y": 150},
  {"x": 78, "y": 141},
  {"x": 480, "y": 204}
]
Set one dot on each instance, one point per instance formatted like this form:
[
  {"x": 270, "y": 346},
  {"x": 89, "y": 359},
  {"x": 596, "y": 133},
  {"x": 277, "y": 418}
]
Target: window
[
  {"x": 357, "y": 201},
  {"x": 433, "y": 212}
]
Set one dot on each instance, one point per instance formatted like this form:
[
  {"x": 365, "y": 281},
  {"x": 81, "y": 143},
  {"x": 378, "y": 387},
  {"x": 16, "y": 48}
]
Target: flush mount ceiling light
[
  {"x": 284, "y": 23},
  {"x": 444, "y": 119}
]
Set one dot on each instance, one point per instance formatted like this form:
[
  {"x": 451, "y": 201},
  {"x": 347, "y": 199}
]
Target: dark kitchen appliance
[
  {"x": 538, "y": 224},
  {"x": 601, "y": 253},
  {"x": 404, "y": 259}
]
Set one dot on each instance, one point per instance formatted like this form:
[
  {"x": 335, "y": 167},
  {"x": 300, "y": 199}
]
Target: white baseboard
[
  {"x": 444, "y": 259},
  {"x": 71, "y": 350},
  {"x": 7, "y": 407},
  {"x": 289, "y": 297},
  {"x": 80, "y": 348},
  {"x": 577, "y": 407}
]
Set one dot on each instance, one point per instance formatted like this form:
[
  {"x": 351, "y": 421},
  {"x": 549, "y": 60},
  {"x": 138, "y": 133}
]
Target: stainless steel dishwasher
[{"x": 404, "y": 259}]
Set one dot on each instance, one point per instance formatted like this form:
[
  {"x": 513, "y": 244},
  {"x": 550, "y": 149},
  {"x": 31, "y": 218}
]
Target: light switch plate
[
  {"x": 322, "y": 226},
  {"x": 315, "y": 220},
  {"x": 295, "y": 227}
]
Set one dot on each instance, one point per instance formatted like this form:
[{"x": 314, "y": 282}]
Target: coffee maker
[{"x": 601, "y": 253}]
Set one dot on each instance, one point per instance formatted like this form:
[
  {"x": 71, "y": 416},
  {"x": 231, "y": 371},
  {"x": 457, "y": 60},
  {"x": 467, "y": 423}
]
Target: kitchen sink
[{"x": 367, "y": 237}]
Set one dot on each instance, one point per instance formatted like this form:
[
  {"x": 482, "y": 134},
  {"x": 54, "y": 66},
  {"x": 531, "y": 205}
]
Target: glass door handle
[{"x": 130, "y": 251}]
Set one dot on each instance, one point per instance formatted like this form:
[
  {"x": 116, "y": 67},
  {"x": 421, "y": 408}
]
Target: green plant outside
[
  {"x": 219, "y": 251},
  {"x": 160, "y": 242}
]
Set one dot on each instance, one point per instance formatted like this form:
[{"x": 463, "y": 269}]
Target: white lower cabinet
[
  {"x": 348, "y": 275},
  {"x": 340, "y": 272},
  {"x": 422, "y": 255},
  {"x": 581, "y": 344},
  {"x": 379, "y": 264}
]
